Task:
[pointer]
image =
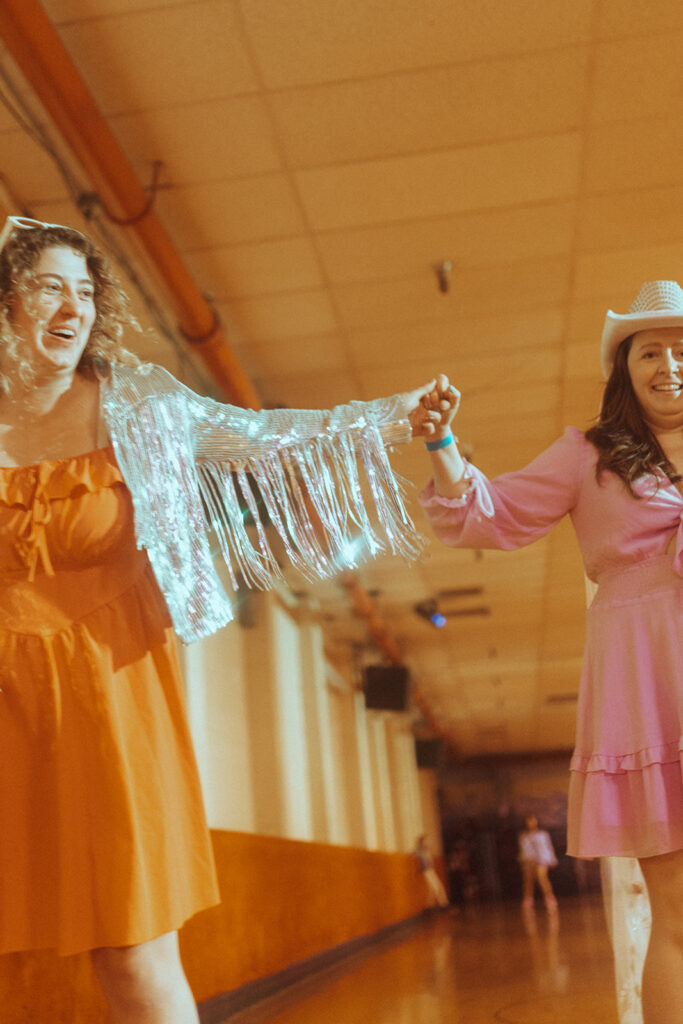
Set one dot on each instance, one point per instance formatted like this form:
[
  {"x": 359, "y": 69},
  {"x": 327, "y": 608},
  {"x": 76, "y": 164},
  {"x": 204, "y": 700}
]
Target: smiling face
[
  {"x": 655, "y": 366},
  {"x": 55, "y": 314}
]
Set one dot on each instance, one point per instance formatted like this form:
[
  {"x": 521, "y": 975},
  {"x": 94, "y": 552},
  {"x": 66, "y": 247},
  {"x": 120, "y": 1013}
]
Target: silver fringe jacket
[{"x": 187, "y": 461}]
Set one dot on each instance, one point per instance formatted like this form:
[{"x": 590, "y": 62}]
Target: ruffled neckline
[{"x": 59, "y": 478}]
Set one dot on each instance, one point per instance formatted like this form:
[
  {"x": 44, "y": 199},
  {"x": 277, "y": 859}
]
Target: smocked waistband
[{"x": 625, "y": 584}]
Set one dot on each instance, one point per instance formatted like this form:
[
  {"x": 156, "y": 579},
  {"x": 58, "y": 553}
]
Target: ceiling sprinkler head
[{"x": 443, "y": 275}]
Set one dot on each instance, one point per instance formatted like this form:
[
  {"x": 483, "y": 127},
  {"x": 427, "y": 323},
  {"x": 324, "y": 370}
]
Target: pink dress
[{"x": 626, "y": 789}]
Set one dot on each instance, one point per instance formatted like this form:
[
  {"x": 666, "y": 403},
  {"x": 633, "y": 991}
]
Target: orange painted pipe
[{"x": 33, "y": 42}]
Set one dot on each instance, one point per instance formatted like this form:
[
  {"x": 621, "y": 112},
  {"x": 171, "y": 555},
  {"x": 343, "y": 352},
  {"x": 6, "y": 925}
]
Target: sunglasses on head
[{"x": 13, "y": 224}]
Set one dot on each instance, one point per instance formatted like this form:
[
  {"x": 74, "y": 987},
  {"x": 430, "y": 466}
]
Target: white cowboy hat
[{"x": 657, "y": 304}]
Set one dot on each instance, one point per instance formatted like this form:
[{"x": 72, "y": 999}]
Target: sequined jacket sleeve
[{"x": 190, "y": 462}]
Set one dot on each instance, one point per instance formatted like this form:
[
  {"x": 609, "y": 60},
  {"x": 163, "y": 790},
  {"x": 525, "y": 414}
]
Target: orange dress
[{"x": 103, "y": 838}]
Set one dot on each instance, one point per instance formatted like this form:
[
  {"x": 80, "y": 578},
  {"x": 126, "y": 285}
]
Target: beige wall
[{"x": 286, "y": 747}]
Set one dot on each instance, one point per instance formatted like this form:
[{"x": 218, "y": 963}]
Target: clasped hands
[{"x": 432, "y": 408}]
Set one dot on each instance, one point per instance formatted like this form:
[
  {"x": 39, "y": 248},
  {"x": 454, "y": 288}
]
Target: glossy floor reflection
[{"x": 489, "y": 964}]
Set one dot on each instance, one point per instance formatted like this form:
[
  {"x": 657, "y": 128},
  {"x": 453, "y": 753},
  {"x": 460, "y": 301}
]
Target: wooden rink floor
[{"x": 484, "y": 964}]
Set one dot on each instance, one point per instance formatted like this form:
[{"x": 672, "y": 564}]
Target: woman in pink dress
[{"x": 622, "y": 484}]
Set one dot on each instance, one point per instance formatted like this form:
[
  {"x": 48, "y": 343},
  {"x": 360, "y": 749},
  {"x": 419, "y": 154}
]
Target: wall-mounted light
[{"x": 428, "y": 610}]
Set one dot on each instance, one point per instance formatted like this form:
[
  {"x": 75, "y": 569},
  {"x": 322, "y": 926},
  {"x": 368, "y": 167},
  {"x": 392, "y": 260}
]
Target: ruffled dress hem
[{"x": 626, "y": 806}]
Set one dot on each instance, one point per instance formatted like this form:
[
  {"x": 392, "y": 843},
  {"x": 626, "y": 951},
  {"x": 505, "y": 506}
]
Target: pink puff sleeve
[{"x": 514, "y": 509}]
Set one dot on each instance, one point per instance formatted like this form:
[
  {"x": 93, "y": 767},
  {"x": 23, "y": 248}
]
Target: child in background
[{"x": 536, "y": 855}]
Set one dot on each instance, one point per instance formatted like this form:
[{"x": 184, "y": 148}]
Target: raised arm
[
  {"x": 323, "y": 482},
  {"x": 468, "y": 510},
  {"x": 439, "y": 406},
  {"x": 225, "y": 431}
]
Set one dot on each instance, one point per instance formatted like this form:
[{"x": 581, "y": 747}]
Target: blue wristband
[{"x": 433, "y": 446}]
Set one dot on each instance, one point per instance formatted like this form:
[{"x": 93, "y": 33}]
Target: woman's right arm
[
  {"x": 468, "y": 510},
  {"x": 448, "y": 465},
  {"x": 448, "y": 468}
]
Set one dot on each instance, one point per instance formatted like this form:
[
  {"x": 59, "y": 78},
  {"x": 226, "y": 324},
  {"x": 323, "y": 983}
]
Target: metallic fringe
[
  {"x": 313, "y": 498},
  {"x": 189, "y": 461}
]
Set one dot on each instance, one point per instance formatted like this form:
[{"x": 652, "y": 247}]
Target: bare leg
[
  {"x": 146, "y": 984},
  {"x": 663, "y": 973},
  {"x": 528, "y": 877},
  {"x": 546, "y": 887},
  {"x": 435, "y": 887}
]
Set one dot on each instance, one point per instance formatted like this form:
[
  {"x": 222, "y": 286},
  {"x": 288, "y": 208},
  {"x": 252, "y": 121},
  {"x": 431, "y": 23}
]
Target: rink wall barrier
[{"x": 289, "y": 907}]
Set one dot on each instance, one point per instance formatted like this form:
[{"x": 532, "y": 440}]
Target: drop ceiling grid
[{"x": 346, "y": 372}]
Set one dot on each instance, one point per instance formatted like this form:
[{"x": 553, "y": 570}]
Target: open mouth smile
[{"x": 62, "y": 333}]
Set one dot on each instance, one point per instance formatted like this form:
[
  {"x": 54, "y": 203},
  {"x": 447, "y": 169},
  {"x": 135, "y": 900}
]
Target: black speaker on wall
[
  {"x": 386, "y": 687},
  {"x": 429, "y": 752}
]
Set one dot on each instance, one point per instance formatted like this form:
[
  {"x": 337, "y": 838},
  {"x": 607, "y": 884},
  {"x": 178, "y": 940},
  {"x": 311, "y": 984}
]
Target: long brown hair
[
  {"x": 626, "y": 445},
  {"x": 113, "y": 316}
]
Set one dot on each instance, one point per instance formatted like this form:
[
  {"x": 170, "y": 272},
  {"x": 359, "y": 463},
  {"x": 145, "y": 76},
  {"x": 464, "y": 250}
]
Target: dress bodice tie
[{"x": 31, "y": 541}]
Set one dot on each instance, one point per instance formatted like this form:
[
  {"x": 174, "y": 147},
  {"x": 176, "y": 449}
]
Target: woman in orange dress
[{"x": 103, "y": 840}]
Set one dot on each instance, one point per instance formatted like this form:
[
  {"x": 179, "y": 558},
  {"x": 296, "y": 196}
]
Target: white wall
[{"x": 216, "y": 692}]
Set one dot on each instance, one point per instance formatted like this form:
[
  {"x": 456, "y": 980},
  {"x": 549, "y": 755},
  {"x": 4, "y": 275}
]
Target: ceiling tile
[
  {"x": 197, "y": 141},
  {"x": 626, "y": 219},
  {"x": 480, "y": 422},
  {"x": 61, "y": 11},
  {"x": 587, "y": 316},
  {"x": 650, "y": 154},
  {"x": 308, "y": 391},
  {"x": 276, "y": 318},
  {"x": 497, "y": 458},
  {"x": 259, "y": 268},
  {"x": 633, "y": 18},
  {"x": 581, "y": 405},
  {"x": 315, "y": 354},
  {"x": 406, "y": 188},
  {"x": 474, "y": 376},
  {"x": 446, "y": 340},
  {"x": 432, "y": 110},
  {"x": 510, "y": 288},
  {"x": 161, "y": 57},
  {"x": 227, "y": 212},
  {"x": 637, "y": 78},
  {"x": 627, "y": 269},
  {"x": 582, "y": 360},
  {"x": 467, "y": 240},
  {"x": 28, "y": 170},
  {"x": 298, "y": 43}
]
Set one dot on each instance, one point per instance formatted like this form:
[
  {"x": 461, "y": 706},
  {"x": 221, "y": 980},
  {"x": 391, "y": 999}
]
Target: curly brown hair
[
  {"x": 626, "y": 445},
  {"x": 113, "y": 316}
]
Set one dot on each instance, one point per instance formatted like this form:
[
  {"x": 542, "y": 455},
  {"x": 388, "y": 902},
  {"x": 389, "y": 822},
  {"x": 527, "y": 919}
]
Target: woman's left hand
[
  {"x": 438, "y": 403},
  {"x": 423, "y": 419}
]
